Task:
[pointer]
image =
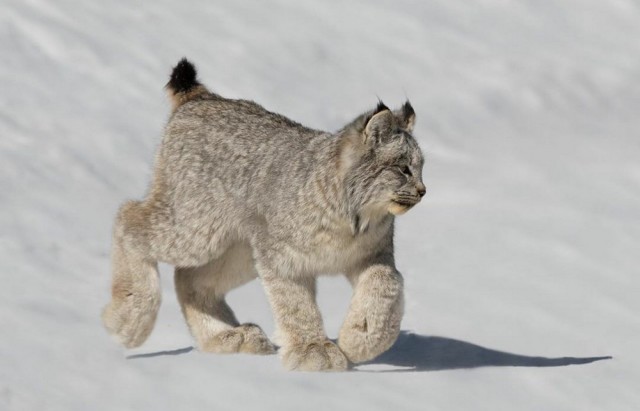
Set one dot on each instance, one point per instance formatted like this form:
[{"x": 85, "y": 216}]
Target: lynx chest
[{"x": 334, "y": 251}]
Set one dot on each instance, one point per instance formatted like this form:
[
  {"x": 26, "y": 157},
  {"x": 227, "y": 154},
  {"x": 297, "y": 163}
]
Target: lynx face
[
  {"x": 401, "y": 176},
  {"x": 386, "y": 162}
]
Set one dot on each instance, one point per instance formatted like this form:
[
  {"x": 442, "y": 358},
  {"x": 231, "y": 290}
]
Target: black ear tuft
[
  {"x": 381, "y": 107},
  {"x": 407, "y": 116},
  {"x": 407, "y": 110},
  {"x": 183, "y": 77}
]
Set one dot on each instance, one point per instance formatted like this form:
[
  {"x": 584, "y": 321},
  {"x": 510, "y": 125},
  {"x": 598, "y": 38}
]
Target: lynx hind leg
[
  {"x": 211, "y": 321},
  {"x": 135, "y": 290}
]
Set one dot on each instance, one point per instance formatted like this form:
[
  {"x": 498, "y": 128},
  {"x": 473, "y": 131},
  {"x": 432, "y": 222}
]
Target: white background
[{"x": 528, "y": 240}]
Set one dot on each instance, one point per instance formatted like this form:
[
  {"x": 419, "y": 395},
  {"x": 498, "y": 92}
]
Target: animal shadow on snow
[
  {"x": 414, "y": 352},
  {"x": 427, "y": 353}
]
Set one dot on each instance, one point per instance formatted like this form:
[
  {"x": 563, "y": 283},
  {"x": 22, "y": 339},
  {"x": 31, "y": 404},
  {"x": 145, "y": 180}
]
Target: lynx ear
[
  {"x": 407, "y": 116},
  {"x": 381, "y": 120}
]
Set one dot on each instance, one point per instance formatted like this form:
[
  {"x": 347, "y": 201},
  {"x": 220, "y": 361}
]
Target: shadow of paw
[{"x": 427, "y": 353}]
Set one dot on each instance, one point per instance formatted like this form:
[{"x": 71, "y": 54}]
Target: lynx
[{"x": 240, "y": 193}]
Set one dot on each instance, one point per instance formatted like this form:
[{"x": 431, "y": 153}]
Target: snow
[{"x": 526, "y": 244}]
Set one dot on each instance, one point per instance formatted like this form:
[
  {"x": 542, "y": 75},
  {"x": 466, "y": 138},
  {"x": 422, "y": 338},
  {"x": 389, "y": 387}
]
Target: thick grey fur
[{"x": 239, "y": 193}]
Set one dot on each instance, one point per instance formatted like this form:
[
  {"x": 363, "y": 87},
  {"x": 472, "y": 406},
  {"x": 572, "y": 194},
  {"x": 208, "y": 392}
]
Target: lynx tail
[{"x": 183, "y": 84}]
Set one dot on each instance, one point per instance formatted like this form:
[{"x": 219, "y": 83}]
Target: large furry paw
[
  {"x": 130, "y": 320},
  {"x": 321, "y": 355},
  {"x": 360, "y": 343},
  {"x": 372, "y": 324},
  {"x": 246, "y": 338}
]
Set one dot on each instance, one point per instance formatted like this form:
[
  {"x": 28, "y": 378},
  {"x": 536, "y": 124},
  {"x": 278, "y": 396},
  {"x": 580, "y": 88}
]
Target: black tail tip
[{"x": 183, "y": 77}]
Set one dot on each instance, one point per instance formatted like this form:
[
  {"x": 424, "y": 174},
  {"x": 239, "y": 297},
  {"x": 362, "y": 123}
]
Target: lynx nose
[{"x": 422, "y": 190}]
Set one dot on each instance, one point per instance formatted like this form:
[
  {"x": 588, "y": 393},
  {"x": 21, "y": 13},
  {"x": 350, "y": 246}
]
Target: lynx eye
[{"x": 405, "y": 170}]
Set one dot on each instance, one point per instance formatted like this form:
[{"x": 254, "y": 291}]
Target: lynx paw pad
[
  {"x": 246, "y": 338},
  {"x": 359, "y": 343},
  {"x": 127, "y": 322},
  {"x": 321, "y": 355}
]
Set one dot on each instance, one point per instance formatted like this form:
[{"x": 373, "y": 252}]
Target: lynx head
[{"x": 381, "y": 164}]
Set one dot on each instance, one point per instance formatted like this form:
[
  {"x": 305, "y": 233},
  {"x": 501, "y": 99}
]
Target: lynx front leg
[
  {"x": 373, "y": 321},
  {"x": 305, "y": 347}
]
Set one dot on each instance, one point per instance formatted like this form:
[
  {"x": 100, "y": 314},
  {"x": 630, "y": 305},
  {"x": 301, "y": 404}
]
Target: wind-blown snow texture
[{"x": 527, "y": 242}]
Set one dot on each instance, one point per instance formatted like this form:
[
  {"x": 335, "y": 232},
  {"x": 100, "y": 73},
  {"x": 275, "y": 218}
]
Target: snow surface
[{"x": 527, "y": 242}]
